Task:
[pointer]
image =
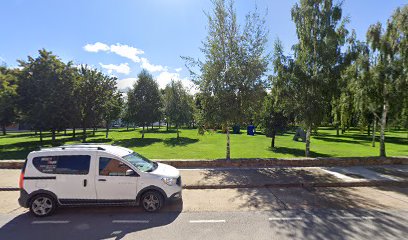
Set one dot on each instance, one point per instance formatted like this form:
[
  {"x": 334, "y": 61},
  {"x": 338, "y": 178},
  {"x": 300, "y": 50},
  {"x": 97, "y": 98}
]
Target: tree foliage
[
  {"x": 8, "y": 97},
  {"x": 144, "y": 101},
  {"x": 46, "y": 88},
  {"x": 230, "y": 77},
  {"x": 177, "y": 104}
]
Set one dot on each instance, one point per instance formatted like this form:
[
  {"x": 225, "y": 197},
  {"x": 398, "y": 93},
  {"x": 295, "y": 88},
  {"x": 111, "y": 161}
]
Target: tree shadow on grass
[
  {"x": 99, "y": 140},
  {"x": 20, "y": 150},
  {"x": 338, "y": 140},
  {"x": 296, "y": 152},
  {"x": 18, "y": 135},
  {"x": 137, "y": 142},
  {"x": 360, "y": 138},
  {"x": 181, "y": 141},
  {"x": 160, "y": 130}
]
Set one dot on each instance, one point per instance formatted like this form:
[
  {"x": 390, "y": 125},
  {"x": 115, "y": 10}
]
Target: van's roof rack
[{"x": 79, "y": 146}]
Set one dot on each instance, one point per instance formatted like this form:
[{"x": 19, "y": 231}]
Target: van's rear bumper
[
  {"x": 23, "y": 199},
  {"x": 174, "y": 197}
]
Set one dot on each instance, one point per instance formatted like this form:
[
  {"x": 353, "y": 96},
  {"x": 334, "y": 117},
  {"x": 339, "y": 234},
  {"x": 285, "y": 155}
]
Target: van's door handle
[
  {"x": 85, "y": 182},
  {"x": 102, "y": 180}
]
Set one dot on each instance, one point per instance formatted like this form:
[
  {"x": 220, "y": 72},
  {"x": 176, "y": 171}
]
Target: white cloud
[
  {"x": 96, "y": 47},
  {"x": 125, "y": 84},
  {"x": 165, "y": 77},
  {"x": 151, "y": 67},
  {"x": 178, "y": 69},
  {"x": 127, "y": 51},
  {"x": 121, "y": 68},
  {"x": 120, "y": 49}
]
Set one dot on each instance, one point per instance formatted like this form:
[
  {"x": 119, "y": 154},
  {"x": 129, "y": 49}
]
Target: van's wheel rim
[
  {"x": 42, "y": 206},
  {"x": 151, "y": 202}
]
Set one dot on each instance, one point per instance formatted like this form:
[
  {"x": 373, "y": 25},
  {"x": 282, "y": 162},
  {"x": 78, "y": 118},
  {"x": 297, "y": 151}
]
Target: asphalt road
[
  {"x": 289, "y": 224},
  {"x": 330, "y": 213}
]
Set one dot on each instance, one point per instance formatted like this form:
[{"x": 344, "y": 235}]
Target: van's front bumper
[{"x": 23, "y": 199}]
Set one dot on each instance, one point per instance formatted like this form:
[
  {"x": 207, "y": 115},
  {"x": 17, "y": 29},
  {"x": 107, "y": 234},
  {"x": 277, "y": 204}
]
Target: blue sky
[{"x": 122, "y": 36}]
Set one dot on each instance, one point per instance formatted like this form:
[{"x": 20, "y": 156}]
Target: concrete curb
[
  {"x": 305, "y": 185},
  {"x": 260, "y": 162},
  {"x": 286, "y": 185}
]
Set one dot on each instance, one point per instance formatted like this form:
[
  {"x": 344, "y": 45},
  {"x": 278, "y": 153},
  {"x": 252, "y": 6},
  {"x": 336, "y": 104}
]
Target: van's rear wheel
[
  {"x": 152, "y": 201},
  {"x": 42, "y": 205}
]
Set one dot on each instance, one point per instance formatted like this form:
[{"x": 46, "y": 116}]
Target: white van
[{"x": 89, "y": 174}]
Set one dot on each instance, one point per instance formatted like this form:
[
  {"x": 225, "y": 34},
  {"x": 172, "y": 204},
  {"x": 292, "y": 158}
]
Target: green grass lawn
[{"x": 159, "y": 144}]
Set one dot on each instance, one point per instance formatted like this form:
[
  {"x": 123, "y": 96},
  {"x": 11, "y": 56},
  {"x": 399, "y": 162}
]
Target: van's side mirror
[{"x": 130, "y": 172}]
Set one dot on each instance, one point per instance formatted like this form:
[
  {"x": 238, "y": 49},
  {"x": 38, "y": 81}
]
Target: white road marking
[
  {"x": 207, "y": 221},
  {"x": 49, "y": 222},
  {"x": 285, "y": 219},
  {"x": 353, "y": 218},
  {"x": 130, "y": 221}
]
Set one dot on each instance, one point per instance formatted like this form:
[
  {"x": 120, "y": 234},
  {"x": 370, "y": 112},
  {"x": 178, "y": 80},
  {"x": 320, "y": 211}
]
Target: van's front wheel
[
  {"x": 42, "y": 205},
  {"x": 152, "y": 201}
]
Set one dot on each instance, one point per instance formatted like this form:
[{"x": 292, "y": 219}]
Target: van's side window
[
  {"x": 112, "y": 167},
  {"x": 68, "y": 164}
]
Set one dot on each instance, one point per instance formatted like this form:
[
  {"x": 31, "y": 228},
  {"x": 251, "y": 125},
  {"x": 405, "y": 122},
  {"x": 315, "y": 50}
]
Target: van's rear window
[{"x": 67, "y": 164}]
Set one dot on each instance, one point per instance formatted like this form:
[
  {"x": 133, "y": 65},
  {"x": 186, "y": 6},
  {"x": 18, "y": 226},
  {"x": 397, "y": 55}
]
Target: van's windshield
[{"x": 142, "y": 163}]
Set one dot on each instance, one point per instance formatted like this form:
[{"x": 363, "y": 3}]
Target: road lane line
[
  {"x": 207, "y": 221},
  {"x": 130, "y": 221},
  {"x": 353, "y": 218},
  {"x": 285, "y": 219},
  {"x": 49, "y": 222}
]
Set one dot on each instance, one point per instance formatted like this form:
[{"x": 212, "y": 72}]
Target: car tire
[
  {"x": 42, "y": 205},
  {"x": 152, "y": 201}
]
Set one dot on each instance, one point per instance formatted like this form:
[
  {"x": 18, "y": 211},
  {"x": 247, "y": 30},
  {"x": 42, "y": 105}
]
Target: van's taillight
[{"x": 21, "y": 182}]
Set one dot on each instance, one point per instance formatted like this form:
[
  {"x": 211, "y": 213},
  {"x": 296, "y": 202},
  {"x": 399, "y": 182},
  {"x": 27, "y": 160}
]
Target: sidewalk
[{"x": 221, "y": 178}]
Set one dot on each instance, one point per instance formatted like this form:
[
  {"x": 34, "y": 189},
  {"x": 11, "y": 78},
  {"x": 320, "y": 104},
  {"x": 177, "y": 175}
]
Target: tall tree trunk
[
  {"x": 308, "y": 131},
  {"x": 368, "y": 129},
  {"x": 337, "y": 130},
  {"x": 3, "y": 127},
  {"x": 41, "y": 137},
  {"x": 167, "y": 126},
  {"x": 73, "y": 132},
  {"x": 84, "y": 134},
  {"x": 228, "y": 155},
  {"x": 159, "y": 124},
  {"x": 65, "y": 132},
  {"x": 35, "y": 132},
  {"x": 374, "y": 131},
  {"x": 127, "y": 127},
  {"x": 93, "y": 131},
  {"x": 178, "y": 135},
  {"x": 273, "y": 139},
  {"x": 383, "y": 126},
  {"x": 53, "y": 136},
  {"x": 143, "y": 130},
  {"x": 107, "y": 130}
]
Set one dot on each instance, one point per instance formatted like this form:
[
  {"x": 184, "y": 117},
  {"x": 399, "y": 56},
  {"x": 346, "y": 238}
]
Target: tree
[
  {"x": 177, "y": 106},
  {"x": 144, "y": 100},
  {"x": 321, "y": 34},
  {"x": 8, "y": 96},
  {"x": 112, "y": 108},
  {"x": 274, "y": 118},
  {"x": 390, "y": 57},
  {"x": 45, "y": 88},
  {"x": 230, "y": 77},
  {"x": 93, "y": 91}
]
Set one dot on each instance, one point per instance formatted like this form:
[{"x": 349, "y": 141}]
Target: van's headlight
[{"x": 168, "y": 181}]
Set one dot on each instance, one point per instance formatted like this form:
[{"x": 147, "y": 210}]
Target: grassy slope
[{"x": 164, "y": 145}]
